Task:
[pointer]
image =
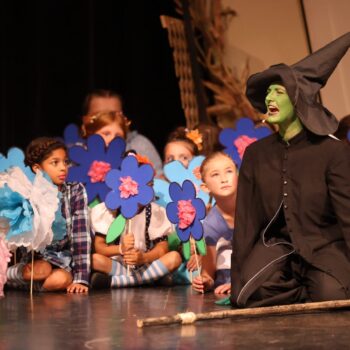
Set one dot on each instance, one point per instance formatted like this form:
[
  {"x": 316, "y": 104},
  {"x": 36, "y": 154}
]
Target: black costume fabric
[
  {"x": 292, "y": 222},
  {"x": 293, "y": 201},
  {"x": 303, "y": 80}
]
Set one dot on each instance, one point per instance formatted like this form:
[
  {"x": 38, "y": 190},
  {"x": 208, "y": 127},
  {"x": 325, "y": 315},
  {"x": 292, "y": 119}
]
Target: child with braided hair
[{"x": 65, "y": 263}]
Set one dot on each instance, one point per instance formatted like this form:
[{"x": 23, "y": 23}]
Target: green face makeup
[{"x": 280, "y": 109}]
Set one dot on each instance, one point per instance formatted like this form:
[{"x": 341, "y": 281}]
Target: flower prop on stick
[
  {"x": 186, "y": 211},
  {"x": 131, "y": 188},
  {"x": 177, "y": 172},
  {"x": 93, "y": 163},
  {"x": 236, "y": 141}
]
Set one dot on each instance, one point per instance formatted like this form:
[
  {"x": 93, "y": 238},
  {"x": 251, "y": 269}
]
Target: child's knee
[
  {"x": 58, "y": 280},
  {"x": 42, "y": 270},
  {"x": 171, "y": 260},
  {"x": 98, "y": 262}
]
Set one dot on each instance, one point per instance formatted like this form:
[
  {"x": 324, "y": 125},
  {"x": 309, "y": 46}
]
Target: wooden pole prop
[{"x": 191, "y": 317}]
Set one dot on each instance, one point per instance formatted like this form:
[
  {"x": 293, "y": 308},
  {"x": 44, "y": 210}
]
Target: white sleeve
[
  {"x": 160, "y": 225},
  {"x": 101, "y": 218}
]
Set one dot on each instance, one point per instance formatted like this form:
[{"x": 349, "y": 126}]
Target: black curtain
[{"x": 54, "y": 52}]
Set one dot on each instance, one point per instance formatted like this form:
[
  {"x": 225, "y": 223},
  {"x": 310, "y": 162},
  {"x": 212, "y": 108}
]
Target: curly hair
[{"x": 40, "y": 149}]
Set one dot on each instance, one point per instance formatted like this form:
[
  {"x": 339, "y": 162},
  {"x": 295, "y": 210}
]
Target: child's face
[
  {"x": 220, "y": 177},
  {"x": 110, "y": 132},
  {"x": 104, "y": 104},
  {"x": 56, "y": 166},
  {"x": 178, "y": 150}
]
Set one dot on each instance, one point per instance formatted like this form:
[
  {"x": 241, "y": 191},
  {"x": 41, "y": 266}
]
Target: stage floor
[{"x": 107, "y": 320}]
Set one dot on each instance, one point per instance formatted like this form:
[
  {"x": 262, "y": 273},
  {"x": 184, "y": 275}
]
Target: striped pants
[{"x": 144, "y": 274}]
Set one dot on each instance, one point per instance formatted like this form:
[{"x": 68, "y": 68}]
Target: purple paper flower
[
  {"x": 85, "y": 162},
  {"x": 186, "y": 211},
  {"x": 236, "y": 141},
  {"x": 131, "y": 187}
]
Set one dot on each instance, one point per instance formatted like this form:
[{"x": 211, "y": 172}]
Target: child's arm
[
  {"x": 80, "y": 239},
  {"x": 205, "y": 281},
  {"x": 136, "y": 257},
  {"x": 101, "y": 247}
]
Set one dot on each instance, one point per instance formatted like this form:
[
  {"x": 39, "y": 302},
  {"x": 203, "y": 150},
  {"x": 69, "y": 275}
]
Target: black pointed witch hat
[{"x": 303, "y": 80}]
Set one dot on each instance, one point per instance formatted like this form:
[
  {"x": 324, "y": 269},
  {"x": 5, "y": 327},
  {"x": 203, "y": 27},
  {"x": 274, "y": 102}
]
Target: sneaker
[{"x": 100, "y": 281}]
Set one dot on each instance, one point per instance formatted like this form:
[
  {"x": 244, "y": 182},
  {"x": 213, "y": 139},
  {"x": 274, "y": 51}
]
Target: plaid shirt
[{"x": 75, "y": 211}]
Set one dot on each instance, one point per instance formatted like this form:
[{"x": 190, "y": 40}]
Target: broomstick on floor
[{"x": 191, "y": 317}]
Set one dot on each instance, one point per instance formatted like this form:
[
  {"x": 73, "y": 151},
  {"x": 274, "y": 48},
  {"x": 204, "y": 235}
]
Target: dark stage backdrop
[{"x": 54, "y": 52}]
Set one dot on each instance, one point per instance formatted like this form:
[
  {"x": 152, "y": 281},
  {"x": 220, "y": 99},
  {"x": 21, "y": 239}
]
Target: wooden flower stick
[
  {"x": 32, "y": 275},
  {"x": 128, "y": 230},
  {"x": 191, "y": 317}
]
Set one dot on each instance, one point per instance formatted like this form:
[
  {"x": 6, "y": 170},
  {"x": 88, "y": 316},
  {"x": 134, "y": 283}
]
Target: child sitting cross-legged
[{"x": 144, "y": 249}]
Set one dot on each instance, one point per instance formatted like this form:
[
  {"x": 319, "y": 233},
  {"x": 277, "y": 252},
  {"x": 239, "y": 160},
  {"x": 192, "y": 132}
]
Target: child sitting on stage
[
  {"x": 140, "y": 256},
  {"x": 65, "y": 264},
  {"x": 220, "y": 176}
]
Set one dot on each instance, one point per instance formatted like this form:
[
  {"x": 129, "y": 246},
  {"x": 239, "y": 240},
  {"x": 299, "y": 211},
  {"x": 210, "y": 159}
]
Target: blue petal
[
  {"x": 175, "y": 171},
  {"x": 197, "y": 230},
  {"x": 145, "y": 174},
  {"x": 129, "y": 209},
  {"x": 146, "y": 195},
  {"x": 71, "y": 135},
  {"x": 161, "y": 189},
  {"x": 175, "y": 191},
  {"x": 130, "y": 167},
  {"x": 112, "y": 179},
  {"x": 96, "y": 148},
  {"x": 112, "y": 200},
  {"x": 184, "y": 235},
  {"x": 188, "y": 189},
  {"x": 171, "y": 212},
  {"x": 78, "y": 154},
  {"x": 115, "y": 151},
  {"x": 200, "y": 208},
  {"x": 79, "y": 174}
]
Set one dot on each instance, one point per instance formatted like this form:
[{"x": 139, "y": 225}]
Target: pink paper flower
[
  {"x": 128, "y": 187},
  {"x": 98, "y": 171},
  {"x": 242, "y": 142},
  {"x": 186, "y": 213}
]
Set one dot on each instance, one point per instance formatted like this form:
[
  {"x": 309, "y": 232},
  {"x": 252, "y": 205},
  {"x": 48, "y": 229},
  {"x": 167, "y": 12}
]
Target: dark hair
[
  {"x": 210, "y": 138},
  {"x": 179, "y": 134},
  {"x": 99, "y": 93},
  {"x": 40, "y": 149},
  {"x": 343, "y": 128}
]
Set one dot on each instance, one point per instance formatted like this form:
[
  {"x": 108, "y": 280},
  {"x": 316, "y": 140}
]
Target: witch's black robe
[{"x": 305, "y": 185}]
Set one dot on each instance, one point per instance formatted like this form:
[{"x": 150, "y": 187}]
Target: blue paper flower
[
  {"x": 17, "y": 210},
  {"x": 236, "y": 141},
  {"x": 161, "y": 190},
  {"x": 177, "y": 172},
  {"x": 15, "y": 158},
  {"x": 130, "y": 187},
  {"x": 186, "y": 193},
  {"x": 72, "y": 136},
  {"x": 96, "y": 153}
]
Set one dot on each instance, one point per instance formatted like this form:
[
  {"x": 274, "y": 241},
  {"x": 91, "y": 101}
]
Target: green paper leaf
[
  {"x": 186, "y": 248},
  {"x": 116, "y": 229},
  {"x": 201, "y": 246},
  {"x": 173, "y": 241},
  {"x": 94, "y": 202}
]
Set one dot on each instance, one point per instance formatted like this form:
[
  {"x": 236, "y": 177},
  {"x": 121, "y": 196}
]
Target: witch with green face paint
[{"x": 292, "y": 225}]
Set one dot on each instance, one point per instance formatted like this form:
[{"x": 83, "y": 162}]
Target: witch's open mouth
[{"x": 272, "y": 110}]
